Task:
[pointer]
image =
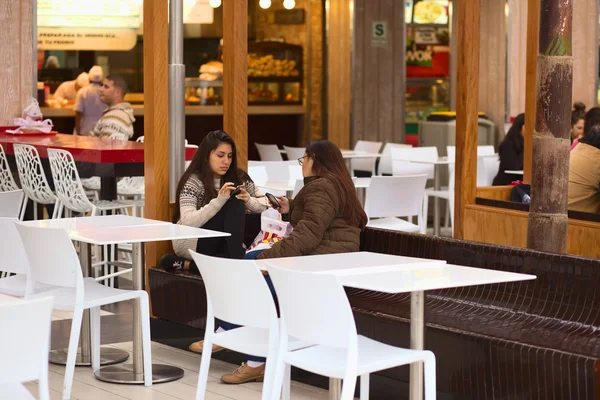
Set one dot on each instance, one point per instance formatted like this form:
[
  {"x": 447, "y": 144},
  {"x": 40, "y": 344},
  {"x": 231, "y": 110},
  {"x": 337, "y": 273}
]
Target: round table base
[
  {"x": 124, "y": 374},
  {"x": 108, "y": 356}
]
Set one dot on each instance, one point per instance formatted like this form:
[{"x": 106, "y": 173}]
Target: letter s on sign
[{"x": 379, "y": 29}]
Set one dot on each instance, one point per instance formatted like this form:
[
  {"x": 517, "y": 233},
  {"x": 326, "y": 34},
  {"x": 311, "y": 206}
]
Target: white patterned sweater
[{"x": 194, "y": 212}]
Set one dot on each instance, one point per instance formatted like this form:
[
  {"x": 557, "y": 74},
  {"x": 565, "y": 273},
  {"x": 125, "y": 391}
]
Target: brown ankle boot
[
  {"x": 197, "y": 347},
  {"x": 245, "y": 374}
]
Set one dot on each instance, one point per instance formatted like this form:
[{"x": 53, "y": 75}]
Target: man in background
[
  {"x": 117, "y": 120},
  {"x": 67, "y": 91},
  {"x": 88, "y": 106}
]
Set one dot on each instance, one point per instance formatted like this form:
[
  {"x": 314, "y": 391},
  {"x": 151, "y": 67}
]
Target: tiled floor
[{"x": 87, "y": 387}]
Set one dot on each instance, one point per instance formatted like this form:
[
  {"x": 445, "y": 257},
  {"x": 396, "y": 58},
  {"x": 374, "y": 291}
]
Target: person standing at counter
[
  {"x": 67, "y": 91},
  {"x": 88, "y": 106},
  {"x": 117, "y": 120}
]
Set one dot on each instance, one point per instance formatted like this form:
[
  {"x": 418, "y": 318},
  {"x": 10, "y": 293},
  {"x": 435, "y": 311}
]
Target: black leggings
[{"x": 230, "y": 219}]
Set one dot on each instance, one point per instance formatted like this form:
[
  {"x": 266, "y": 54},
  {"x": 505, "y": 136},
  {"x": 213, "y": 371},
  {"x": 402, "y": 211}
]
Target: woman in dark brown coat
[{"x": 326, "y": 214}]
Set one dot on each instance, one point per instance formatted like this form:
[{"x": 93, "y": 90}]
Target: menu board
[
  {"x": 430, "y": 12},
  {"x": 124, "y": 14}
]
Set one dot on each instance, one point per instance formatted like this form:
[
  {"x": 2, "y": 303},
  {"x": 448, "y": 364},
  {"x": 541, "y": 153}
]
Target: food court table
[
  {"x": 289, "y": 186},
  {"x": 396, "y": 274},
  {"x": 349, "y": 155},
  {"x": 103, "y": 157}
]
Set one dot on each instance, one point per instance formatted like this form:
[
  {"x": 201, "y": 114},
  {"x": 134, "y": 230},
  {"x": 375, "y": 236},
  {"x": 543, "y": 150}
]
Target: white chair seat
[
  {"x": 109, "y": 205},
  {"x": 372, "y": 356},
  {"x": 393, "y": 224},
  {"x": 95, "y": 295},
  {"x": 92, "y": 183},
  {"x": 250, "y": 340},
  {"x": 15, "y": 391},
  {"x": 444, "y": 193},
  {"x": 15, "y": 285}
]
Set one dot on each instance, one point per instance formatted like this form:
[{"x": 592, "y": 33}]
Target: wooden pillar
[
  {"x": 533, "y": 25},
  {"x": 17, "y": 61},
  {"x": 585, "y": 52},
  {"x": 339, "y": 72},
  {"x": 156, "y": 111},
  {"x": 492, "y": 71},
  {"x": 517, "y": 56},
  {"x": 378, "y": 85},
  {"x": 235, "y": 75},
  {"x": 467, "y": 95}
]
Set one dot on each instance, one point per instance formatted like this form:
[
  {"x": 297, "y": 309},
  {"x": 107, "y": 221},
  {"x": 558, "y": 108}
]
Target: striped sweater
[
  {"x": 116, "y": 122},
  {"x": 196, "y": 211}
]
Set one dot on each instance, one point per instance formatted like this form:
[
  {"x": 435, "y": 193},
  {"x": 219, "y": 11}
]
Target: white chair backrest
[
  {"x": 140, "y": 139},
  {"x": 25, "y": 342},
  {"x": 401, "y": 158},
  {"x": 324, "y": 317},
  {"x": 295, "y": 172},
  {"x": 69, "y": 189},
  {"x": 278, "y": 170},
  {"x": 268, "y": 152},
  {"x": 228, "y": 283},
  {"x": 492, "y": 165},
  {"x": 11, "y": 204},
  {"x": 367, "y": 164},
  {"x": 258, "y": 174},
  {"x": 12, "y": 253},
  {"x": 298, "y": 187},
  {"x": 294, "y": 153},
  {"x": 32, "y": 175},
  {"x": 395, "y": 196},
  {"x": 52, "y": 257},
  {"x": 385, "y": 162},
  {"x": 487, "y": 164},
  {"x": 7, "y": 181},
  {"x": 486, "y": 150}
]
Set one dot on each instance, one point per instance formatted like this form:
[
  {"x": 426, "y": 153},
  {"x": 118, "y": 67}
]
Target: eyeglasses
[{"x": 301, "y": 159}]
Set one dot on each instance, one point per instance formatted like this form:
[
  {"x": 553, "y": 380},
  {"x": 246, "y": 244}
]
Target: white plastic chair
[
  {"x": 13, "y": 260},
  {"x": 7, "y": 181},
  {"x": 268, "y": 152},
  {"x": 33, "y": 179},
  {"x": 227, "y": 284},
  {"x": 24, "y": 345},
  {"x": 385, "y": 162},
  {"x": 389, "y": 197},
  {"x": 11, "y": 204},
  {"x": 279, "y": 170},
  {"x": 325, "y": 318},
  {"x": 72, "y": 196},
  {"x": 367, "y": 164},
  {"x": 294, "y": 153},
  {"x": 56, "y": 263}
]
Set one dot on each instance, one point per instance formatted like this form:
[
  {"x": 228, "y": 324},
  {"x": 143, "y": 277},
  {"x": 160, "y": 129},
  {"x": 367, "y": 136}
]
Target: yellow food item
[
  {"x": 428, "y": 12},
  {"x": 269, "y": 66}
]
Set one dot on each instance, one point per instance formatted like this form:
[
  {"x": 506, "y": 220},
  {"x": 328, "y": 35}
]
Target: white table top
[
  {"x": 84, "y": 223},
  {"x": 359, "y": 154},
  {"x": 286, "y": 186},
  {"x": 439, "y": 161},
  {"x": 514, "y": 172},
  {"x": 346, "y": 264},
  {"x": 140, "y": 234},
  {"x": 4, "y": 298},
  {"x": 438, "y": 277}
]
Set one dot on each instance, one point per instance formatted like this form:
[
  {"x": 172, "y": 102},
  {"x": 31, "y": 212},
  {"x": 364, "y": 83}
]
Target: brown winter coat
[{"x": 319, "y": 225}]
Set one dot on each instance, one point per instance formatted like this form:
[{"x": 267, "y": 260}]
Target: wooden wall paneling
[
  {"x": 371, "y": 60},
  {"x": 359, "y": 45},
  {"x": 510, "y": 229},
  {"x": 339, "y": 73},
  {"x": 494, "y": 192},
  {"x": 454, "y": 9},
  {"x": 385, "y": 84},
  {"x": 492, "y": 70},
  {"x": 533, "y": 26},
  {"x": 585, "y": 51},
  {"x": 399, "y": 74},
  {"x": 235, "y": 76},
  {"x": 517, "y": 53},
  {"x": 17, "y": 61},
  {"x": 467, "y": 95},
  {"x": 156, "y": 111}
]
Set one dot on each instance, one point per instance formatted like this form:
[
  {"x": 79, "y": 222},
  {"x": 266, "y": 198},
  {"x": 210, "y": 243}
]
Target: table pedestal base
[
  {"x": 108, "y": 356},
  {"x": 124, "y": 374}
]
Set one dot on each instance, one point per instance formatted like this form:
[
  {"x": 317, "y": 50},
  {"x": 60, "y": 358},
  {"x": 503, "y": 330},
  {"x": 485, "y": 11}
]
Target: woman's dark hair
[
  {"x": 329, "y": 164},
  {"x": 201, "y": 167},
  {"x": 592, "y": 118},
  {"x": 578, "y": 113},
  {"x": 514, "y": 137}
]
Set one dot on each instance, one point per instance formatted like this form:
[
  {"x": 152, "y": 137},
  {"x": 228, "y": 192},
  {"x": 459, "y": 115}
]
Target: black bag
[{"x": 520, "y": 193}]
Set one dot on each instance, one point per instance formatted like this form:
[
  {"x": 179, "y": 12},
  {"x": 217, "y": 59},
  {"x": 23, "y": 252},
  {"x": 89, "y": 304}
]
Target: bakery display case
[
  {"x": 274, "y": 73},
  {"x": 425, "y": 96}
]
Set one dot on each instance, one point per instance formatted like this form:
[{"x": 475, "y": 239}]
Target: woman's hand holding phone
[
  {"x": 243, "y": 195},
  {"x": 284, "y": 204},
  {"x": 227, "y": 189}
]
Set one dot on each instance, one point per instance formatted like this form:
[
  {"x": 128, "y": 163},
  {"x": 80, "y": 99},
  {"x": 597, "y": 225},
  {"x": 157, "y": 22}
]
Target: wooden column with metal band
[
  {"x": 156, "y": 107},
  {"x": 235, "y": 75},
  {"x": 533, "y": 26},
  {"x": 467, "y": 96}
]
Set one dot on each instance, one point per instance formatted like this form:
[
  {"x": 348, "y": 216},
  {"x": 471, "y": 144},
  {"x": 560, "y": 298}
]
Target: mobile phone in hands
[{"x": 273, "y": 200}]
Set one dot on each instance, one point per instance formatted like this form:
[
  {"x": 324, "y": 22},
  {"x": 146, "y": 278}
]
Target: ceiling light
[
  {"x": 214, "y": 3},
  {"x": 289, "y": 4},
  {"x": 264, "y": 4}
]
